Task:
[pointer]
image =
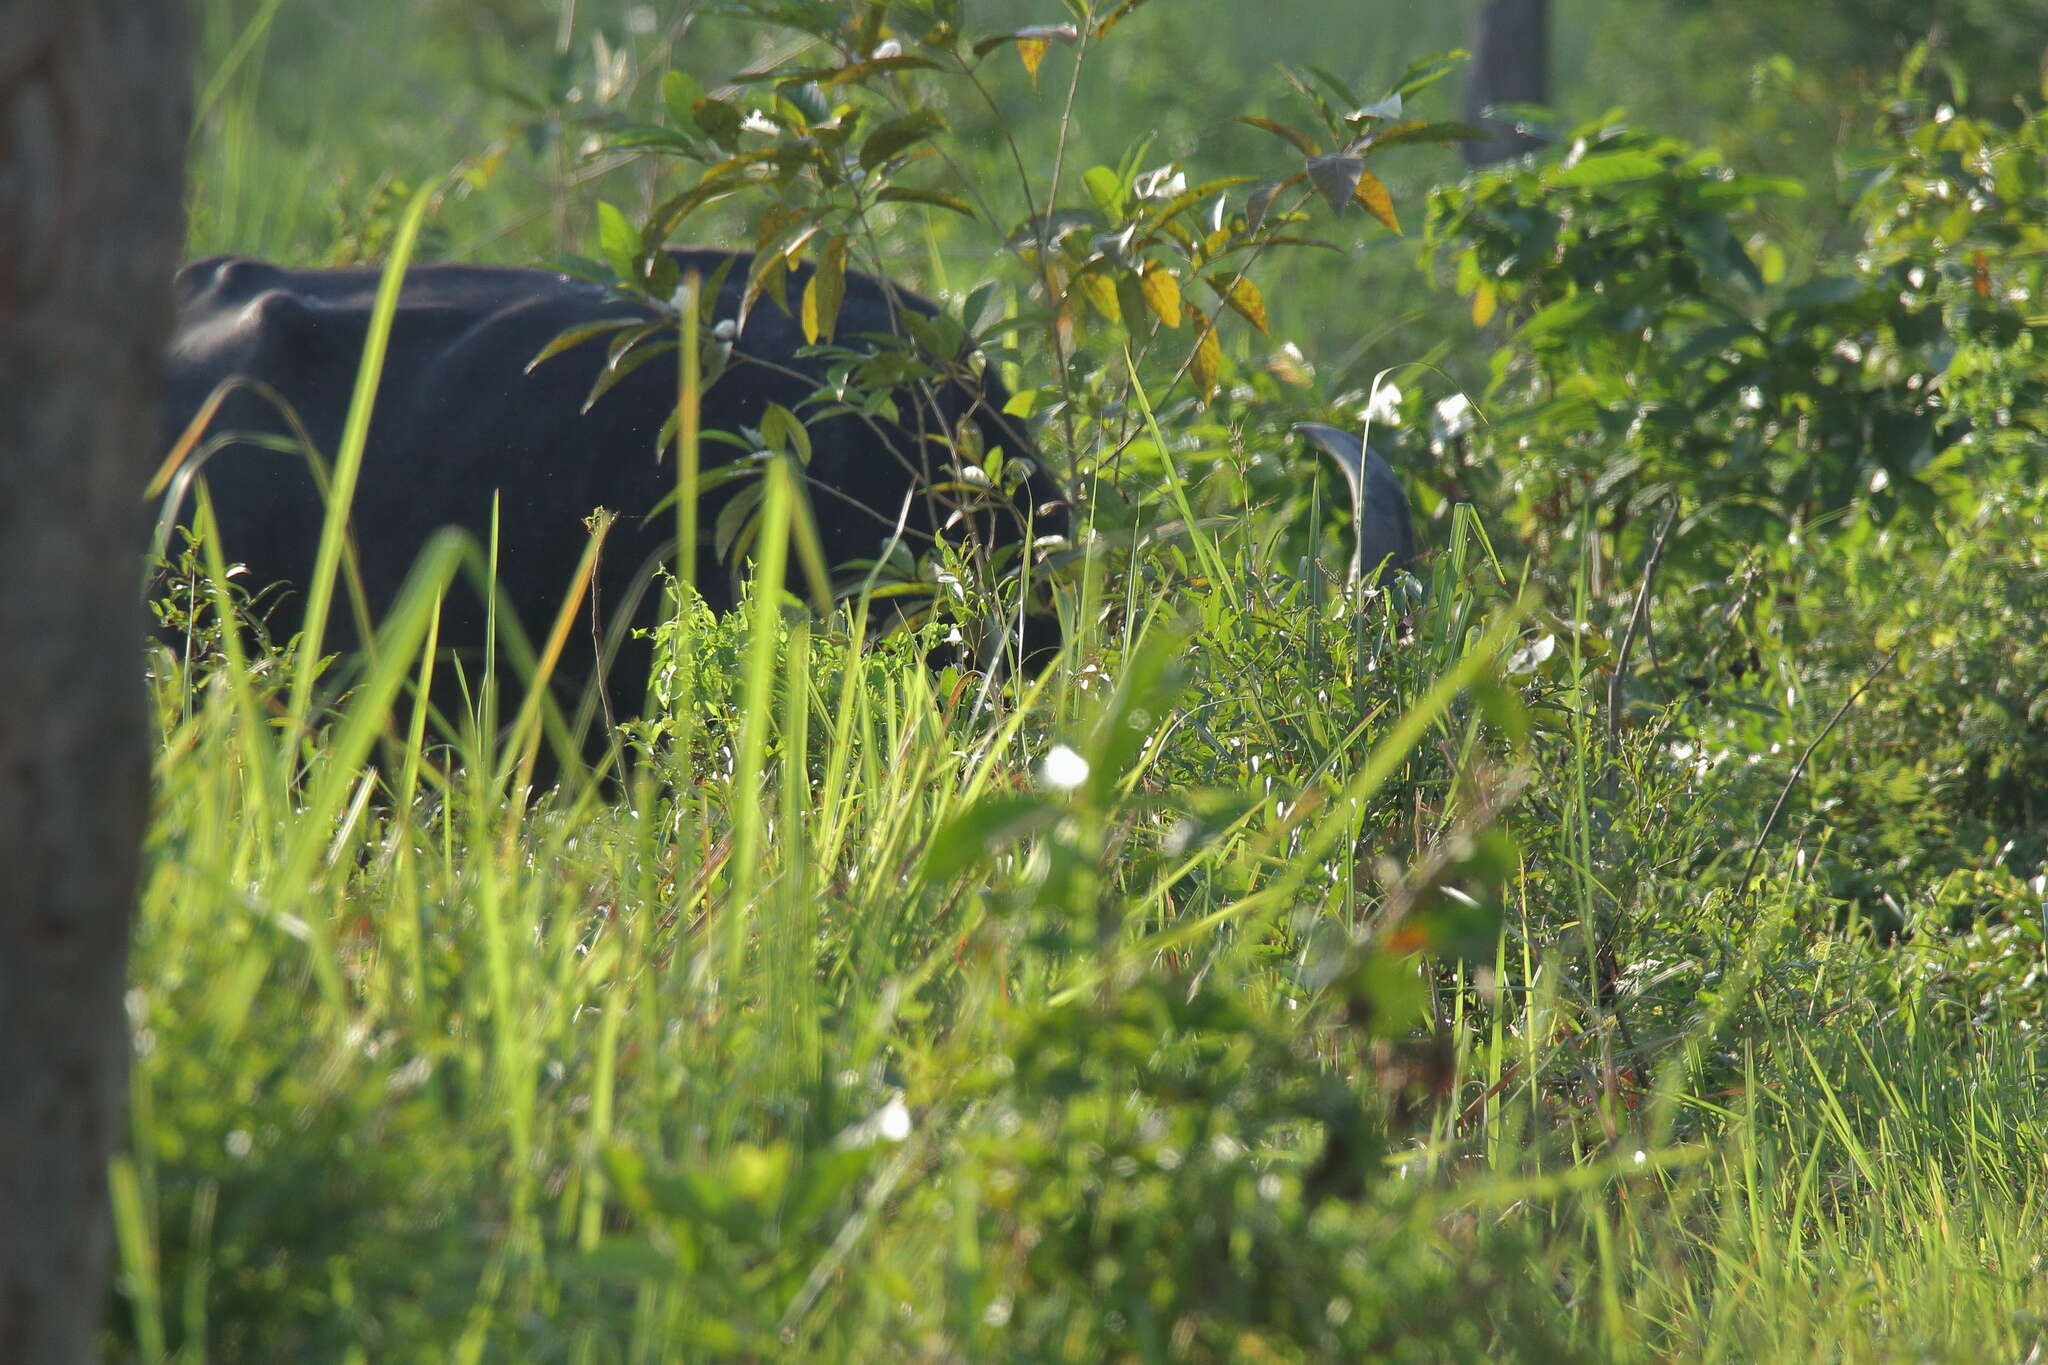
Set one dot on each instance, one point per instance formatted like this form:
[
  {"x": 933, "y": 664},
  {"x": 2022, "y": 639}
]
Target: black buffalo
[
  {"x": 1383, "y": 527},
  {"x": 464, "y": 417}
]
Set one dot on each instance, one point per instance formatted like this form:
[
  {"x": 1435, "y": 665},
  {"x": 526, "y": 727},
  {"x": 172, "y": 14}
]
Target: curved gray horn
[{"x": 1379, "y": 508}]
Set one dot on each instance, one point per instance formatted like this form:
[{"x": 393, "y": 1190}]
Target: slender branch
[
  {"x": 1770, "y": 821},
  {"x": 1636, "y": 619}
]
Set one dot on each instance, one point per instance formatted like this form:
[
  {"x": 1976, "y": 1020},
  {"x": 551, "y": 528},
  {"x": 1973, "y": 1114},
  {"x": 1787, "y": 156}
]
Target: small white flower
[
  {"x": 890, "y": 1123},
  {"x": 1390, "y": 107},
  {"x": 1453, "y": 417},
  {"x": 1162, "y": 183},
  {"x": 1384, "y": 409},
  {"x": 1064, "y": 770},
  {"x": 757, "y": 122},
  {"x": 887, "y": 48}
]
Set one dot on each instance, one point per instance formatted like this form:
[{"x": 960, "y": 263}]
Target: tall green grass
[
  {"x": 1284, "y": 975},
  {"x": 740, "y": 1064}
]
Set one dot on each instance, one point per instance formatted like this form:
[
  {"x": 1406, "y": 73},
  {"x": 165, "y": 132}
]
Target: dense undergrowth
[{"x": 1620, "y": 939}]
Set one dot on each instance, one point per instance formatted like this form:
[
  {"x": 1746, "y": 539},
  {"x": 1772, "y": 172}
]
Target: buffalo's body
[{"x": 460, "y": 420}]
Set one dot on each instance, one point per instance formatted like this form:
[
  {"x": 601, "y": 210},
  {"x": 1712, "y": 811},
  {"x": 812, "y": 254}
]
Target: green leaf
[
  {"x": 984, "y": 830},
  {"x": 1560, "y": 317},
  {"x": 680, "y": 94},
  {"x": 1387, "y": 993},
  {"x": 899, "y": 134},
  {"x": 625, "y": 1261},
  {"x": 860, "y": 71},
  {"x": 822, "y": 1179},
  {"x": 618, "y": 369},
  {"x": 719, "y": 121},
  {"x": 1303, "y": 143},
  {"x": 576, "y": 336},
  {"x": 938, "y": 199},
  {"x": 671, "y": 213},
  {"x": 619, "y": 240},
  {"x": 1426, "y": 71},
  {"x": 784, "y": 432},
  {"x": 1187, "y": 199},
  {"x": 1826, "y": 292},
  {"x": 1403, "y": 134},
  {"x": 1458, "y": 909},
  {"x": 1607, "y": 168},
  {"x": 734, "y": 530},
  {"x": 759, "y": 1174},
  {"x": 976, "y": 309},
  {"x": 1115, "y": 16},
  {"x": 1106, "y": 188},
  {"x": 1340, "y": 89},
  {"x": 1152, "y": 679},
  {"x": 648, "y": 137}
]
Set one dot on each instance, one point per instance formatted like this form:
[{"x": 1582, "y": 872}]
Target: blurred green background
[{"x": 315, "y": 115}]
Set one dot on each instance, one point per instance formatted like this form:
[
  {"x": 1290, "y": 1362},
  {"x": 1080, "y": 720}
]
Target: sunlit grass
[{"x": 1353, "y": 986}]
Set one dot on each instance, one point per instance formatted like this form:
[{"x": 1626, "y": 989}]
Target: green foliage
[
  {"x": 1654, "y": 362},
  {"x": 1142, "y": 1188},
  {"x": 1950, "y": 743},
  {"x": 1296, "y": 971},
  {"x": 1786, "y": 86}
]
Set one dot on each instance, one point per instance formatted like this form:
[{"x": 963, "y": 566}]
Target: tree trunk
[
  {"x": 1510, "y": 65},
  {"x": 94, "y": 108}
]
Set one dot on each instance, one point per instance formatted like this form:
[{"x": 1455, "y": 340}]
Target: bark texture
[
  {"x": 94, "y": 109},
  {"x": 1510, "y": 65}
]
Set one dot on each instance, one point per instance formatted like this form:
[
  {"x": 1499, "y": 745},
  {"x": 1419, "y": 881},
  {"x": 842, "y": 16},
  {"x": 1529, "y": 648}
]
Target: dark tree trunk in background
[
  {"x": 94, "y": 109},
  {"x": 1510, "y": 65}
]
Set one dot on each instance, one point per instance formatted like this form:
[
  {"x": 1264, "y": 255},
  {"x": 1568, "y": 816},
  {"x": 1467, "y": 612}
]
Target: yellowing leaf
[
  {"x": 826, "y": 291},
  {"x": 1207, "y": 361},
  {"x": 1115, "y": 16},
  {"x": 1303, "y": 143},
  {"x": 1244, "y": 296},
  {"x": 1032, "y": 51},
  {"x": 1162, "y": 293},
  {"x": 774, "y": 227},
  {"x": 1290, "y": 366},
  {"x": 1370, "y": 195},
  {"x": 1101, "y": 292},
  {"x": 1484, "y": 300}
]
